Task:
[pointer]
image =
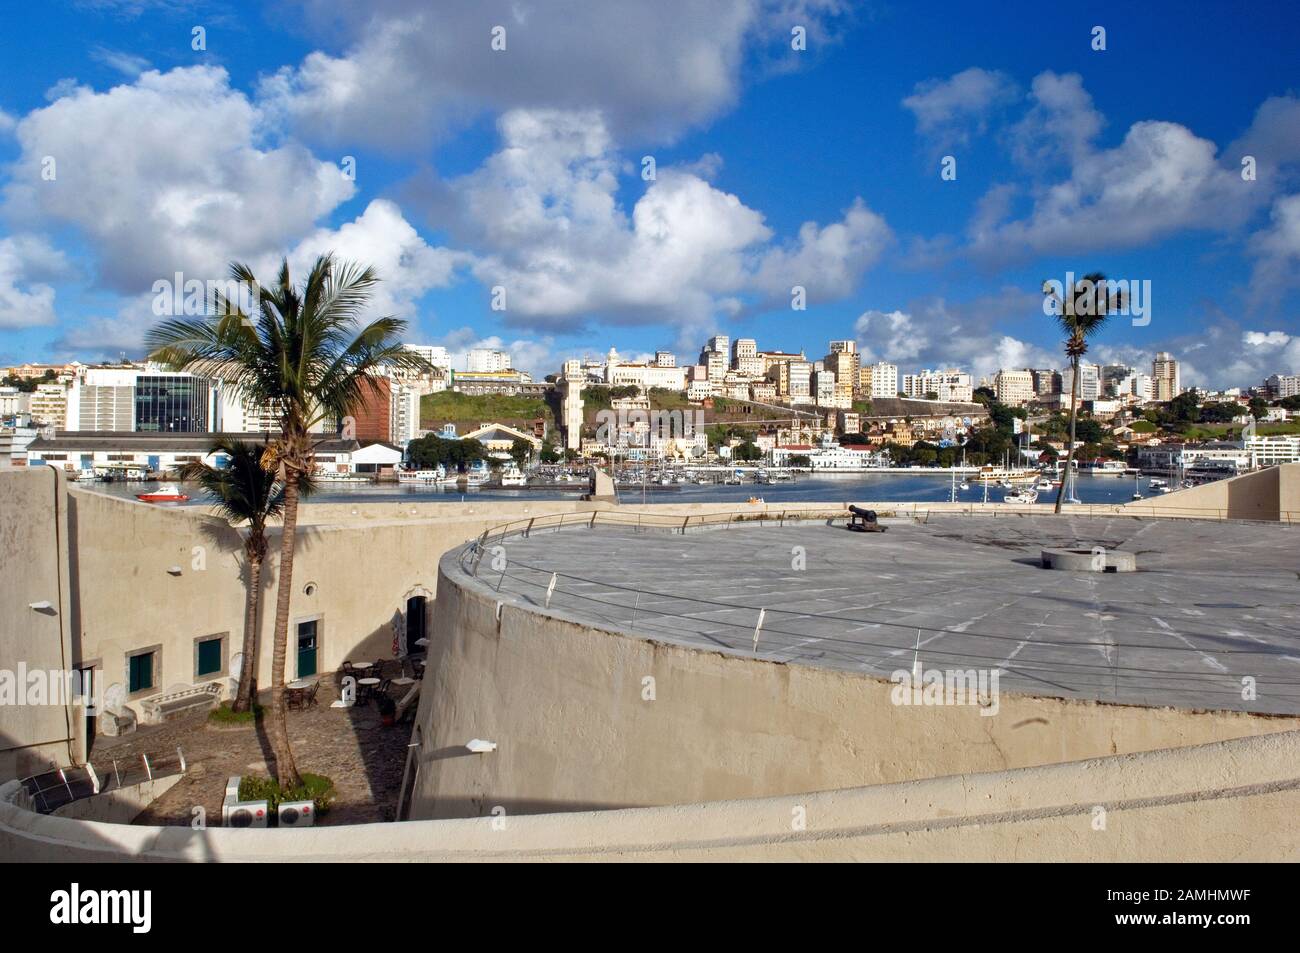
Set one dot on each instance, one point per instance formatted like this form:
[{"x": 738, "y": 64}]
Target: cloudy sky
[{"x": 646, "y": 174}]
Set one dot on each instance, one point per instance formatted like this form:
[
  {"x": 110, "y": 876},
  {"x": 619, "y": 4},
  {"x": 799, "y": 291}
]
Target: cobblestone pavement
[{"x": 349, "y": 746}]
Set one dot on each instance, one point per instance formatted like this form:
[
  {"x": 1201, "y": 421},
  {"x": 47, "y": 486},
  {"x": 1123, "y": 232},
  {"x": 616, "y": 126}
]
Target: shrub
[
  {"x": 222, "y": 715},
  {"x": 315, "y": 788}
]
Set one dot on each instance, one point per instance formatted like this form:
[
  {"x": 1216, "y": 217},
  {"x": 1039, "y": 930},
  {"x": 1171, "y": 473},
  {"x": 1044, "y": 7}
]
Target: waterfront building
[{"x": 949, "y": 384}]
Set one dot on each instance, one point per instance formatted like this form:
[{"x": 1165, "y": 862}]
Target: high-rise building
[
  {"x": 1278, "y": 386},
  {"x": 665, "y": 359},
  {"x": 843, "y": 361},
  {"x": 745, "y": 359},
  {"x": 1013, "y": 387},
  {"x": 435, "y": 356},
  {"x": 487, "y": 360},
  {"x": 1164, "y": 370},
  {"x": 878, "y": 380},
  {"x": 719, "y": 342},
  {"x": 1089, "y": 381},
  {"x": 1046, "y": 381},
  {"x": 948, "y": 384}
]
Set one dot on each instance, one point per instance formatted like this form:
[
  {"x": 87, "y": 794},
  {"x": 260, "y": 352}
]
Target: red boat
[{"x": 167, "y": 493}]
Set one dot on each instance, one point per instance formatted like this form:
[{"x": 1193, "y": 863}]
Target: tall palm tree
[
  {"x": 1081, "y": 312},
  {"x": 301, "y": 351},
  {"x": 246, "y": 495}
]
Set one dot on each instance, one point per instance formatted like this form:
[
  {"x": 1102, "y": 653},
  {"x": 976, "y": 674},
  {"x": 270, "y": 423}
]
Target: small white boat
[
  {"x": 1023, "y": 495},
  {"x": 511, "y": 476}
]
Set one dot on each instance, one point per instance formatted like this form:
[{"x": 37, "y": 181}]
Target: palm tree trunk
[
  {"x": 286, "y": 771},
  {"x": 1074, "y": 416},
  {"x": 244, "y": 696}
]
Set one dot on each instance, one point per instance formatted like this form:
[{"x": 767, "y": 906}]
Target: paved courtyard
[{"x": 1211, "y": 604}]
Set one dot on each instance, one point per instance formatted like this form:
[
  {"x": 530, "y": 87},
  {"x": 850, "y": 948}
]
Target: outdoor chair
[{"x": 310, "y": 699}]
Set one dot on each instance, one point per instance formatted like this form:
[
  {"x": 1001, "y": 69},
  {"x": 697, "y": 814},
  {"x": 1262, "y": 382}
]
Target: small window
[
  {"x": 140, "y": 671},
  {"x": 208, "y": 657}
]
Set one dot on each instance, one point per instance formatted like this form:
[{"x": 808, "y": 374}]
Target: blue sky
[{"x": 521, "y": 168}]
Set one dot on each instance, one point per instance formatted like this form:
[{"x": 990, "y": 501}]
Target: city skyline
[{"x": 535, "y": 181}]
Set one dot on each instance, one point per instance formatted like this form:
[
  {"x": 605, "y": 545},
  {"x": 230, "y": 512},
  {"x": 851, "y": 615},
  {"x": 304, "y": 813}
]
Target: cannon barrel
[{"x": 868, "y": 515}]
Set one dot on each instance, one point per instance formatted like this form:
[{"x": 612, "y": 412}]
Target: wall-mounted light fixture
[
  {"x": 43, "y": 606},
  {"x": 479, "y": 746},
  {"x": 173, "y": 570}
]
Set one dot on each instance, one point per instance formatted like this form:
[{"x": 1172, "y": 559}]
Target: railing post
[{"x": 148, "y": 770}]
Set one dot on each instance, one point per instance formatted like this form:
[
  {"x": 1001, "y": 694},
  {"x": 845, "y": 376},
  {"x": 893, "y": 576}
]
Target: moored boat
[{"x": 167, "y": 493}]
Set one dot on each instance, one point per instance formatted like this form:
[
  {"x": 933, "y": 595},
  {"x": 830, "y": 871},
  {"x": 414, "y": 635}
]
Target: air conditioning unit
[
  {"x": 297, "y": 814},
  {"x": 244, "y": 813}
]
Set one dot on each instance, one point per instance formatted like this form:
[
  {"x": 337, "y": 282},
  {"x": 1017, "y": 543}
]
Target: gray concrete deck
[{"x": 1210, "y": 604}]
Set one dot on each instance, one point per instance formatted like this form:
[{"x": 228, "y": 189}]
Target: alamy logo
[
  {"x": 1131, "y": 297},
  {"x": 611, "y": 425},
  {"x": 40, "y": 686},
  {"x": 96, "y": 907},
  {"x": 934, "y": 686},
  {"x": 193, "y": 296}
]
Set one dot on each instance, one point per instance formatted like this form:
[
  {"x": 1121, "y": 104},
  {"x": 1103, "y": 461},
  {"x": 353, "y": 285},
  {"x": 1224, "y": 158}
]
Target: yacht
[
  {"x": 421, "y": 477},
  {"x": 512, "y": 476},
  {"x": 1023, "y": 495}
]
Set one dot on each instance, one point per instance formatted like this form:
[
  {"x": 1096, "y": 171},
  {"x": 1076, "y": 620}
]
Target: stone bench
[{"x": 174, "y": 704}]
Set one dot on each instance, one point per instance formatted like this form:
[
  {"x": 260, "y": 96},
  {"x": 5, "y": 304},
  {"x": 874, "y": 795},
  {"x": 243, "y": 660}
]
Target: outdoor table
[
  {"x": 300, "y": 683},
  {"x": 367, "y": 687},
  {"x": 403, "y": 680},
  {"x": 363, "y": 665}
]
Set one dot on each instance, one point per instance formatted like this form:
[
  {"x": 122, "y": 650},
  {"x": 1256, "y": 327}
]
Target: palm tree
[
  {"x": 1086, "y": 305},
  {"x": 300, "y": 351},
  {"x": 245, "y": 494}
]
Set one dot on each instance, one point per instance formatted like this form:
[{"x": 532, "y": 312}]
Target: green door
[{"x": 306, "y": 648}]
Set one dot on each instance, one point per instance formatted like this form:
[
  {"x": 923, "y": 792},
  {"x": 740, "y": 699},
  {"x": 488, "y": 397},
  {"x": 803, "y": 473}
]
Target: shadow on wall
[{"x": 1255, "y": 496}]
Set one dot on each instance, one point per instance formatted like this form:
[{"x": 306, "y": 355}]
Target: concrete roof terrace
[{"x": 1211, "y": 603}]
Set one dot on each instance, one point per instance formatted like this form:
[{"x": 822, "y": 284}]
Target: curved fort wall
[{"x": 565, "y": 703}]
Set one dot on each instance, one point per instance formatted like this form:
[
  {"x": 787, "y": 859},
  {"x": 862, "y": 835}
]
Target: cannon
[{"x": 864, "y": 521}]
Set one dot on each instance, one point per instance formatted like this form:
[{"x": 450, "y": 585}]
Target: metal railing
[
  {"x": 773, "y": 634},
  {"x": 59, "y": 786}
]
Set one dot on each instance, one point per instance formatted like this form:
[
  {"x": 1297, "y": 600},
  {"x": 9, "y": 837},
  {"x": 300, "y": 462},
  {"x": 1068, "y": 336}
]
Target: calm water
[{"x": 883, "y": 487}]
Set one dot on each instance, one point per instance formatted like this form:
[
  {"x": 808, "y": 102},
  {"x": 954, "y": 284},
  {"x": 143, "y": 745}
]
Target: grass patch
[
  {"x": 467, "y": 411},
  {"x": 222, "y": 715},
  {"x": 315, "y": 788},
  {"x": 1144, "y": 426}
]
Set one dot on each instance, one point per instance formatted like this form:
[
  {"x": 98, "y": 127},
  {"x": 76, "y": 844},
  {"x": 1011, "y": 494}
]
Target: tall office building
[
  {"x": 487, "y": 360},
  {"x": 843, "y": 361},
  {"x": 1164, "y": 369},
  {"x": 172, "y": 403}
]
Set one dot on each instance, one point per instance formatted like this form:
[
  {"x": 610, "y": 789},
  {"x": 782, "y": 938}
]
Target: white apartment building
[
  {"x": 878, "y": 380},
  {"x": 487, "y": 360},
  {"x": 437, "y": 356},
  {"x": 715, "y": 365},
  {"x": 645, "y": 376},
  {"x": 720, "y": 343},
  {"x": 1282, "y": 385},
  {"x": 949, "y": 384},
  {"x": 13, "y": 402},
  {"x": 1271, "y": 451},
  {"x": 1089, "y": 381},
  {"x": 1014, "y": 387}
]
